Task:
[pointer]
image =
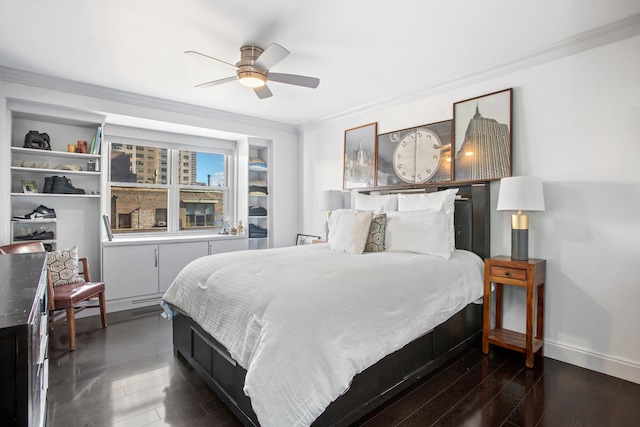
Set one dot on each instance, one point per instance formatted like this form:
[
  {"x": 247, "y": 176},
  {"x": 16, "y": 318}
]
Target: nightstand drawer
[{"x": 512, "y": 273}]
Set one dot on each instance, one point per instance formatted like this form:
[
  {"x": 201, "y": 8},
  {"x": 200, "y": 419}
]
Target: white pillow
[
  {"x": 424, "y": 232},
  {"x": 446, "y": 198},
  {"x": 373, "y": 202},
  {"x": 348, "y": 230}
]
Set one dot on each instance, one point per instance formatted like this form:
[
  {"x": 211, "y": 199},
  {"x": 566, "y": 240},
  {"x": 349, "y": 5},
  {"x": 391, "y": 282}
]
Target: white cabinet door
[
  {"x": 174, "y": 257},
  {"x": 231, "y": 245},
  {"x": 130, "y": 271}
]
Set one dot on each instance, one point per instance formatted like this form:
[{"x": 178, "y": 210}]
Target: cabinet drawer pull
[{"x": 507, "y": 273}]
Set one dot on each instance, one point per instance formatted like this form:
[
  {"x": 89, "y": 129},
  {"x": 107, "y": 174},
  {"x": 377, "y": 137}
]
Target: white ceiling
[{"x": 364, "y": 52}]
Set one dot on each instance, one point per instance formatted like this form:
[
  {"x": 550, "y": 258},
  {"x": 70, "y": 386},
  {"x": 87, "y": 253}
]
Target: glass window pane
[
  {"x": 144, "y": 209},
  {"x": 139, "y": 209},
  {"x": 202, "y": 169},
  {"x": 127, "y": 166},
  {"x": 201, "y": 209}
]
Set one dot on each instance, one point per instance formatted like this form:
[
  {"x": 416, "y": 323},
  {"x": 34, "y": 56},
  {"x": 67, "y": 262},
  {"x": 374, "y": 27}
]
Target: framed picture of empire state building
[{"x": 482, "y": 137}]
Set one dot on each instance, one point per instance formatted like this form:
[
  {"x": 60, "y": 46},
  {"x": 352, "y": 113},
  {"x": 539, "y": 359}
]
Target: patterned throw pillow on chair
[{"x": 63, "y": 266}]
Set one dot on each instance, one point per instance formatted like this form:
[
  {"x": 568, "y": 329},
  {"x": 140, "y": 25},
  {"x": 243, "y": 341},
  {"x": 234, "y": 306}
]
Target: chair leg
[
  {"x": 103, "y": 309},
  {"x": 71, "y": 324}
]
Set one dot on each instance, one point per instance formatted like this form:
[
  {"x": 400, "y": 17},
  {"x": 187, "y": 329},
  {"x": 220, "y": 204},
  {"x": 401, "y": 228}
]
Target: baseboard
[
  {"x": 617, "y": 367},
  {"x": 133, "y": 303},
  {"x": 121, "y": 315}
]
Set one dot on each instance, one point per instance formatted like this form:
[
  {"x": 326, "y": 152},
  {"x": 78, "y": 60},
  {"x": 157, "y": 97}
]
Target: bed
[{"x": 271, "y": 358}]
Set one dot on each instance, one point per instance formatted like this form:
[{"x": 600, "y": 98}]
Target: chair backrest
[{"x": 22, "y": 248}]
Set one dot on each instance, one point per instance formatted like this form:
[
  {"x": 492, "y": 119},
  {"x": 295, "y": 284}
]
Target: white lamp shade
[
  {"x": 520, "y": 193},
  {"x": 331, "y": 200}
]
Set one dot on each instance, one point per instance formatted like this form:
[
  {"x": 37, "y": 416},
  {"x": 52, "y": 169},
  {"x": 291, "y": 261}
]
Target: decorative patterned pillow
[
  {"x": 63, "y": 266},
  {"x": 375, "y": 240}
]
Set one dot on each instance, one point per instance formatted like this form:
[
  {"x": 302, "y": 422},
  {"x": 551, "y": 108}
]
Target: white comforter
[{"x": 304, "y": 320}]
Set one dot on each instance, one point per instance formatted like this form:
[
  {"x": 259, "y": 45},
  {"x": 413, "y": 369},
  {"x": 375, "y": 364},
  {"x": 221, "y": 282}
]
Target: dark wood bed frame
[{"x": 386, "y": 378}]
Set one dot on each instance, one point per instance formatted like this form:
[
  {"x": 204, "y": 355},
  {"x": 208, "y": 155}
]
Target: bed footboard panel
[
  {"x": 214, "y": 364},
  {"x": 398, "y": 371},
  {"x": 368, "y": 390},
  {"x": 456, "y": 330}
]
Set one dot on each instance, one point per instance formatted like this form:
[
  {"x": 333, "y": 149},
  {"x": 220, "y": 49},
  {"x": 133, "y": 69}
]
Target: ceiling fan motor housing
[
  {"x": 253, "y": 69},
  {"x": 246, "y": 65}
]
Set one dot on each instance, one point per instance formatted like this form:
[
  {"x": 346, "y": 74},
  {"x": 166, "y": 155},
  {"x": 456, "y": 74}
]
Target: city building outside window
[{"x": 141, "y": 192}]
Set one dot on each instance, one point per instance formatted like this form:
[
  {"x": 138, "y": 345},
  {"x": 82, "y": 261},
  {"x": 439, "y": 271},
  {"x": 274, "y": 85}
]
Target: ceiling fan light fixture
[
  {"x": 253, "y": 70},
  {"x": 252, "y": 79}
]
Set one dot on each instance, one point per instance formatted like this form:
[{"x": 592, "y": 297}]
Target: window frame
[{"x": 174, "y": 143}]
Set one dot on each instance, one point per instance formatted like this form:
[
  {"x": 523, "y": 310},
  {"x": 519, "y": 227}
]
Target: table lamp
[
  {"x": 330, "y": 200},
  {"x": 520, "y": 193}
]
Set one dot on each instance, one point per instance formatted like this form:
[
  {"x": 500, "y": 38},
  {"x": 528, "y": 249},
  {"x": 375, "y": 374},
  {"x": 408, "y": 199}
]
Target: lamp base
[{"x": 520, "y": 244}]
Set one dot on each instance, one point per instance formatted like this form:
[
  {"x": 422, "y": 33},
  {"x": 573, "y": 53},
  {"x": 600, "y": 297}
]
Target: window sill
[{"x": 174, "y": 238}]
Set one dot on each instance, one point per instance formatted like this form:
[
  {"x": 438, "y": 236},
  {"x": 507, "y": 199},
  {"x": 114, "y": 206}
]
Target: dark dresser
[{"x": 23, "y": 340}]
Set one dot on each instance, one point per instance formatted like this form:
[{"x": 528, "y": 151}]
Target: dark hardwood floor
[{"x": 127, "y": 375}]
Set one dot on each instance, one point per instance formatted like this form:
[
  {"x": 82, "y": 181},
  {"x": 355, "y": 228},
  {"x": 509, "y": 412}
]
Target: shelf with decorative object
[
  {"x": 48, "y": 168},
  {"x": 34, "y": 166},
  {"x": 28, "y": 230},
  {"x": 19, "y": 152}
]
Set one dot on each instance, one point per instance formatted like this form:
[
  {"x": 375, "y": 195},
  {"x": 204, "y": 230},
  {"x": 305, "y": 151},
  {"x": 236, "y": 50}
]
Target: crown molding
[
  {"x": 616, "y": 31},
  {"x": 42, "y": 81}
]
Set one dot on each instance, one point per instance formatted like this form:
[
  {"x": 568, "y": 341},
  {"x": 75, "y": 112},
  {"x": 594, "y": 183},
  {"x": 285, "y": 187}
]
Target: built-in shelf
[
  {"x": 260, "y": 149},
  {"x": 53, "y": 153},
  {"x": 54, "y": 171},
  {"x": 78, "y": 219},
  {"x": 54, "y": 195}
]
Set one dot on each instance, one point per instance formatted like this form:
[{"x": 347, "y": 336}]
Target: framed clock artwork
[{"x": 414, "y": 156}]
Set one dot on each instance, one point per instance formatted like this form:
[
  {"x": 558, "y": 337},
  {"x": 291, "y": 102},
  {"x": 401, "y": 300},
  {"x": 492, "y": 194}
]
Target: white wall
[
  {"x": 142, "y": 111},
  {"x": 576, "y": 125}
]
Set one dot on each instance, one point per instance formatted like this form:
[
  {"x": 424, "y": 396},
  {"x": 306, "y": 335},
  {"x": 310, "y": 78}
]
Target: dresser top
[{"x": 19, "y": 281}]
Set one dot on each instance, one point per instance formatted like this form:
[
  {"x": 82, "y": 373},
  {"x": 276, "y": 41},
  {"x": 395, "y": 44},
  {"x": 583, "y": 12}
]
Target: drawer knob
[{"x": 507, "y": 273}]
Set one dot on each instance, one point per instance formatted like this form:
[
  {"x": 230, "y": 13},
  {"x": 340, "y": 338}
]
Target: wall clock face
[{"x": 416, "y": 158}]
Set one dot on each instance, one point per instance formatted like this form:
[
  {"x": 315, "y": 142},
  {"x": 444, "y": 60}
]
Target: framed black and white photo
[
  {"x": 414, "y": 156},
  {"x": 305, "y": 239},
  {"x": 482, "y": 137},
  {"x": 360, "y": 157}
]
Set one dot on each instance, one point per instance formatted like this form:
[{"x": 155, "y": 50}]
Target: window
[
  {"x": 141, "y": 192},
  {"x": 202, "y": 190}
]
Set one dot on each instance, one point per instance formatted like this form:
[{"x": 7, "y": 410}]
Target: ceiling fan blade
[
  {"x": 202, "y": 55},
  {"x": 262, "y": 92},
  {"x": 216, "y": 82},
  {"x": 294, "y": 79},
  {"x": 273, "y": 54}
]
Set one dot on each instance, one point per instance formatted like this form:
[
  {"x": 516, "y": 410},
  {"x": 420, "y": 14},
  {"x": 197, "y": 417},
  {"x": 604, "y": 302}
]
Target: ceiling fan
[{"x": 253, "y": 69}]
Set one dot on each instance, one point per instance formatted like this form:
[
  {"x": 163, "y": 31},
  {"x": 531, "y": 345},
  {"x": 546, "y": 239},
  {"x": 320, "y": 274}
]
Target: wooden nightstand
[{"x": 502, "y": 270}]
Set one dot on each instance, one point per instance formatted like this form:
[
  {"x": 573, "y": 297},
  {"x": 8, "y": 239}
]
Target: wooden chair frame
[{"x": 67, "y": 316}]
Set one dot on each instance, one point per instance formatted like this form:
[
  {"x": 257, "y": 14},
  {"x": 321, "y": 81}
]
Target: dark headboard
[{"x": 472, "y": 217}]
